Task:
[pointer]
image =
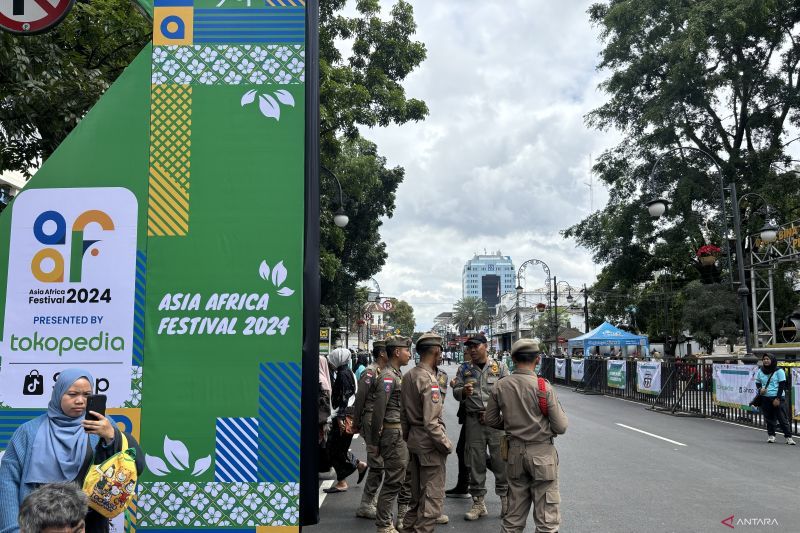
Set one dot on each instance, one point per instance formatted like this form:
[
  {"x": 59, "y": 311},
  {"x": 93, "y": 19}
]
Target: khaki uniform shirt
[
  {"x": 423, "y": 425},
  {"x": 386, "y": 408},
  {"x": 482, "y": 380},
  {"x": 365, "y": 395},
  {"x": 514, "y": 406}
]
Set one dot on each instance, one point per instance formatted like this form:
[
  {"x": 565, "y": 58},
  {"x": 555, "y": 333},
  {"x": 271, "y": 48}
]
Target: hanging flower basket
[
  {"x": 707, "y": 255},
  {"x": 540, "y": 307}
]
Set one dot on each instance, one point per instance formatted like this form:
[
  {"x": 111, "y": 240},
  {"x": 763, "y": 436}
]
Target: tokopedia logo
[
  {"x": 732, "y": 522},
  {"x": 103, "y": 342}
]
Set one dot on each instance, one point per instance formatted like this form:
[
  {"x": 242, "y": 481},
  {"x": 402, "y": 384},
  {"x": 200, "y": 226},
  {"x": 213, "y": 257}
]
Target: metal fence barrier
[{"x": 686, "y": 389}]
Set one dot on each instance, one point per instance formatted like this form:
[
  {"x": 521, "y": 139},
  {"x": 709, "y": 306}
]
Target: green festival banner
[
  {"x": 616, "y": 374},
  {"x": 162, "y": 248}
]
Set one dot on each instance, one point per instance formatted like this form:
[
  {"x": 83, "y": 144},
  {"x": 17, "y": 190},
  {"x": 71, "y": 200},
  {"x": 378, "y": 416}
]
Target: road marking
[
  {"x": 322, "y": 494},
  {"x": 651, "y": 435}
]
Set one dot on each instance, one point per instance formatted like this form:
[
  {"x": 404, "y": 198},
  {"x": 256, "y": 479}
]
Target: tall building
[{"x": 488, "y": 277}]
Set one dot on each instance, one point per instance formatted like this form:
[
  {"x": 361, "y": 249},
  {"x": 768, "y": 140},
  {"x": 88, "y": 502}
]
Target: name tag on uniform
[{"x": 435, "y": 393}]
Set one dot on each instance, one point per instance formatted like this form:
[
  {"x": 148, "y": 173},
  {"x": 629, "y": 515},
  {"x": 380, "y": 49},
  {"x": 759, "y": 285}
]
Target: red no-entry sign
[{"x": 32, "y": 16}]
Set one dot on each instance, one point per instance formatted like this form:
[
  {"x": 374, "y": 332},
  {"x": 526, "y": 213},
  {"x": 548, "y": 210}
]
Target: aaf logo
[{"x": 50, "y": 229}]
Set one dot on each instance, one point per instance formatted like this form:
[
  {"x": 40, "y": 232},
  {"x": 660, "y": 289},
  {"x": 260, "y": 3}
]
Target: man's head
[
  {"x": 526, "y": 352},
  {"x": 54, "y": 508},
  {"x": 379, "y": 352},
  {"x": 475, "y": 346},
  {"x": 429, "y": 348},
  {"x": 398, "y": 350}
]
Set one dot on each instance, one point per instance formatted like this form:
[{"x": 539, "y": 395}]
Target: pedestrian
[
  {"x": 530, "y": 430},
  {"x": 59, "y": 446},
  {"x": 426, "y": 434},
  {"x": 324, "y": 410},
  {"x": 461, "y": 489},
  {"x": 54, "y": 508},
  {"x": 386, "y": 433},
  {"x": 771, "y": 384},
  {"x": 361, "y": 365},
  {"x": 368, "y": 387},
  {"x": 344, "y": 462},
  {"x": 474, "y": 382}
]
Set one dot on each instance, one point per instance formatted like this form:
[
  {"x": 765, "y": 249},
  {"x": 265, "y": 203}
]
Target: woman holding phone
[{"x": 60, "y": 445}]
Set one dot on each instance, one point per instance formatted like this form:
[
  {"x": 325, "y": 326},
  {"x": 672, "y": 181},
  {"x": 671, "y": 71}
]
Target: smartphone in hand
[{"x": 96, "y": 403}]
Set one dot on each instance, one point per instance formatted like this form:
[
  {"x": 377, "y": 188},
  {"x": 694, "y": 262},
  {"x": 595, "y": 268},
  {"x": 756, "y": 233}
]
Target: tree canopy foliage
[
  {"x": 401, "y": 317},
  {"x": 720, "y": 76},
  {"x": 470, "y": 313}
]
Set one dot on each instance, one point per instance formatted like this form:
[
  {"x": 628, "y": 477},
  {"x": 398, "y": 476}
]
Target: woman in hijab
[
  {"x": 59, "y": 446},
  {"x": 771, "y": 384},
  {"x": 344, "y": 388}
]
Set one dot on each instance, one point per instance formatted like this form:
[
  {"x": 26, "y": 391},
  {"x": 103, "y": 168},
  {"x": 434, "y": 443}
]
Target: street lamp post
[
  {"x": 658, "y": 207},
  {"x": 340, "y": 218},
  {"x": 570, "y": 299},
  {"x": 520, "y": 288}
]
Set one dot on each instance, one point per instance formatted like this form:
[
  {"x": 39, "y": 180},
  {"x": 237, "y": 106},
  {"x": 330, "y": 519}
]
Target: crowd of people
[{"x": 508, "y": 424}]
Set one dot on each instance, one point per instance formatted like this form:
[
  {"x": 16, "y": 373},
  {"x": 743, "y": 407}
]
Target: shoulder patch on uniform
[
  {"x": 434, "y": 393},
  {"x": 387, "y": 384},
  {"x": 368, "y": 379}
]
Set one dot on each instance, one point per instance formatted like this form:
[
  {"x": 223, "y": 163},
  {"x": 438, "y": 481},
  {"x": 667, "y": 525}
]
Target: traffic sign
[
  {"x": 367, "y": 316},
  {"x": 387, "y": 305},
  {"x": 32, "y": 16}
]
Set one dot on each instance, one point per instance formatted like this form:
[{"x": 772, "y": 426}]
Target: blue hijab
[{"x": 59, "y": 448}]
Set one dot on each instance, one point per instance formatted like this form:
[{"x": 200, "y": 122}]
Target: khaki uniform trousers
[
  {"x": 532, "y": 479},
  {"x": 479, "y": 437},
  {"x": 375, "y": 463},
  {"x": 395, "y": 461},
  {"x": 427, "y": 492}
]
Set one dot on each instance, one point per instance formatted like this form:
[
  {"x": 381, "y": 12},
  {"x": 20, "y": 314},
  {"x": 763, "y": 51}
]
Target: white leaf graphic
[
  {"x": 269, "y": 107},
  {"x": 248, "y": 97},
  {"x": 201, "y": 465},
  {"x": 286, "y": 291},
  {"x": 285, "y": 97},
  {"x": 263, "y": 270},
  {"x": 176, "y": 453},
  {"x": 278, "y": 274},
  {"x": 156, "y": 465}
]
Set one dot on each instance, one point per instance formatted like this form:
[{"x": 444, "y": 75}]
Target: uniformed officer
[
  {"x": 532, "y": 457},
  {"x": 424, "y": 429},
  {"x": 474, "y": 381},
  {"x": 386, "y": 435},
  {"x": 368, "y": 387}
]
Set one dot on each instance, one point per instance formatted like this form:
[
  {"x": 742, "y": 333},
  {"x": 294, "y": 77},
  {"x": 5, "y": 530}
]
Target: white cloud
[{"x": 502, "y": 161}]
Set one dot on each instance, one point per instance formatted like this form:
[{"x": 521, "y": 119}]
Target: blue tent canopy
[{"x": 607, "y": 335}]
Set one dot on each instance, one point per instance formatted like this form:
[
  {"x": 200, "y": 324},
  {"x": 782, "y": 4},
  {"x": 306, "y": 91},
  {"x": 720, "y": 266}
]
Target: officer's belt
[
  {"x": 520, "y": 442},
  {"x": 392, "y": 425}
]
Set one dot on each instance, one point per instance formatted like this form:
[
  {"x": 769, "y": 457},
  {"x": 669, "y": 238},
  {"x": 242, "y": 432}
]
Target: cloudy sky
[{"x": 502, "y": 161}]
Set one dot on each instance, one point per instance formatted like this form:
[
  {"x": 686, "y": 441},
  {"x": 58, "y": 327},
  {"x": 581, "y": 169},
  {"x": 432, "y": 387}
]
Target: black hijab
[{"x": 772, "y": 367}]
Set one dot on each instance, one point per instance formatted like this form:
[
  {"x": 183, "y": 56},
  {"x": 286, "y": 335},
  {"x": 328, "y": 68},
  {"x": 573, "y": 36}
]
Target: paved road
[{"x": 617, "y": 479}]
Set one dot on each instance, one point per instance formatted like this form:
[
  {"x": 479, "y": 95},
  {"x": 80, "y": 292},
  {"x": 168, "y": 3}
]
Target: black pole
[
  {"x": 309, "y": 490},
  {"x": 585, "y": 308},
  {"x": 742, "y": 292},
  {"x": 555, "y": 312}
]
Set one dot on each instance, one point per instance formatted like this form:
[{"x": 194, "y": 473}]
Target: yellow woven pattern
[{"x": 170, "y": 153}]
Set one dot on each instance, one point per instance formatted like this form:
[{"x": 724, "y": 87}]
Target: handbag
[
  {"x": 756, "y": 402},
  {"x": 110, "y": 486},
  {"x": 346, "y": 425}
]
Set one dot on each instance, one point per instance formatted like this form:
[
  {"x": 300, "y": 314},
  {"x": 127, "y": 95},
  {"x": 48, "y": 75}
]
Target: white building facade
[{"x": 488, "y": 277}]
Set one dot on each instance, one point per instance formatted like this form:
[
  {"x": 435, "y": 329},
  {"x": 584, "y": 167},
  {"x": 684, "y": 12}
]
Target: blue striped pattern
[
  {"x": 279, "y": 422},
  {"x": 138, "y": 308},
  {"x": 11, "y": 419},
  {"x": 249, "y": 26},
  {"x": 236, "y": 452}
]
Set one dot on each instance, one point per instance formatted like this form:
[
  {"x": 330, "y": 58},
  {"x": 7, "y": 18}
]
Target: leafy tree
[
  {"x": 401, "y": 317},
  {"x": 49, "y": 81},
  {"x": 469, "y": 313},
  {"x": 716, "y": 75},
  {"x": 709, "y": 311},
  {"x": 542, "y": 323}
]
